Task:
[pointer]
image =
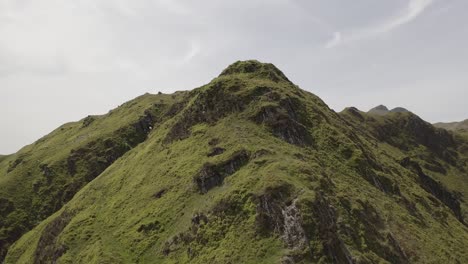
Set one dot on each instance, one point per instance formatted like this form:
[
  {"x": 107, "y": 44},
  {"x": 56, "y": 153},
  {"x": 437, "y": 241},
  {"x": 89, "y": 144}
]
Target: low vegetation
[{"x": 245, "y": 169}]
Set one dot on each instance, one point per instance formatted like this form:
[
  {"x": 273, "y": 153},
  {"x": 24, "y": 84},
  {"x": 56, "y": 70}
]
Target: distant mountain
[
  {"x": 399, "y": 110},
  {"x": 454, "y": 126},
  {"x": 379, "y": 110},
  {"x": 383, "y": 110},
  {"x": 248, "y": 168}
]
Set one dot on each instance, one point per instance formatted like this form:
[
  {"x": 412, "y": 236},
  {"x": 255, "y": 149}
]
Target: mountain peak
[
  {"x": 383, "y": 110},
  {"x": 379, "y": 110},
  {"x": 381, "y": 107},
  {"x": 399, "y": 110},
  {"x": 255, "y": 69}
]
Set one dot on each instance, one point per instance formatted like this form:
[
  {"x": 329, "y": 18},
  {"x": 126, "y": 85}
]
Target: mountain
[
  {"x": 383, "y": 110},
  {"x": 379, "y": 110},
  {"x": 399, "y": 110},
  {"x": 248, "y": 168},
  {"x": 454, "y": 126}
]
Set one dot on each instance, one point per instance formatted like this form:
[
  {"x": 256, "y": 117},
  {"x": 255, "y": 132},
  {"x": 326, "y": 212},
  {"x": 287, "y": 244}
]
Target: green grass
[
  {"x": 351, "y": 196},
  {"x": 37, "y": 180},
  {"x": 3, "y": 158}
]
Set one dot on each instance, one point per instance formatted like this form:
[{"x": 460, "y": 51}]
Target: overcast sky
[{"x": 61, "y": 60}]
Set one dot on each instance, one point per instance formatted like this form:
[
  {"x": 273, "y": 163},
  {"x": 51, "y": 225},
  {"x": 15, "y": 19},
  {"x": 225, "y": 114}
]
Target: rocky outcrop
[
  {"x": 285, "y": 122},
  {"x": 49, "y": 249},
  {"x": 371, "y": 226},
  {"x": 293, "y": 233},
  {"x": 255, "y": 69},
  {"x": 277, "y": 214},
  {"x": 210, "y": 104},
  {"x": 269, "y": 210},
  {"x": 88, "y": 121},
  {"x": 212, "y": 175},
  {"x": 160, "y": 193},
  {"x": 96, "y": 156},
  {"x": 325, "y": 219},
  {"x": 150, "y": 227},
  {"x": 16, "y": 162},
  {"x": 216, "y": 151}
]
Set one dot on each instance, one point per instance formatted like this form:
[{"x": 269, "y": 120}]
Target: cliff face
[{"x": 246, "y": 169}]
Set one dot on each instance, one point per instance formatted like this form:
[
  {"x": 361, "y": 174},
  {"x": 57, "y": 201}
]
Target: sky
[{"x": 61, "y": 60}]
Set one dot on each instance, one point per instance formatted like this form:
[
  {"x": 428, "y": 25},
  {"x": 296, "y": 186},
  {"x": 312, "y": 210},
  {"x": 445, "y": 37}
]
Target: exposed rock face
[
  {"x": 293, "y": 234},
  {"x": 276, "y": 215},
  {"x": 285, "y": 122},
  {"x": 212, "y": 175},
  {"x": 210, "y": 105},
  {"x": 326, "y": 219},
  {"x": 216, "y": 151},
  {"x": 270, "y": 206},
  {"x": 49, "y": 249}
]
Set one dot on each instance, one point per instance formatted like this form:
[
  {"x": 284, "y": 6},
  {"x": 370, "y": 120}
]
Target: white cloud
[
  {"x": 194, "y": 49},
  {"x": 412, "y": 10},
  {"x": 334, "y": 41}
]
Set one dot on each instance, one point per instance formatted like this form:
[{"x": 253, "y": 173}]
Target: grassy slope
[
  {"x": 454, "y": 126},
  {"x": 446, "y": 162},
  {"x": 40, "y": 178},
  {"x": 326, "y": 193}
]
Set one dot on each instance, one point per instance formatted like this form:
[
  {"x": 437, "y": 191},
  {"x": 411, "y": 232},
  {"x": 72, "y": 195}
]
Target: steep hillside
[
  {"x": 441, "y": 154},
  {"x": 251, "y": 169},
  {"x": 39, "y": 179}
]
